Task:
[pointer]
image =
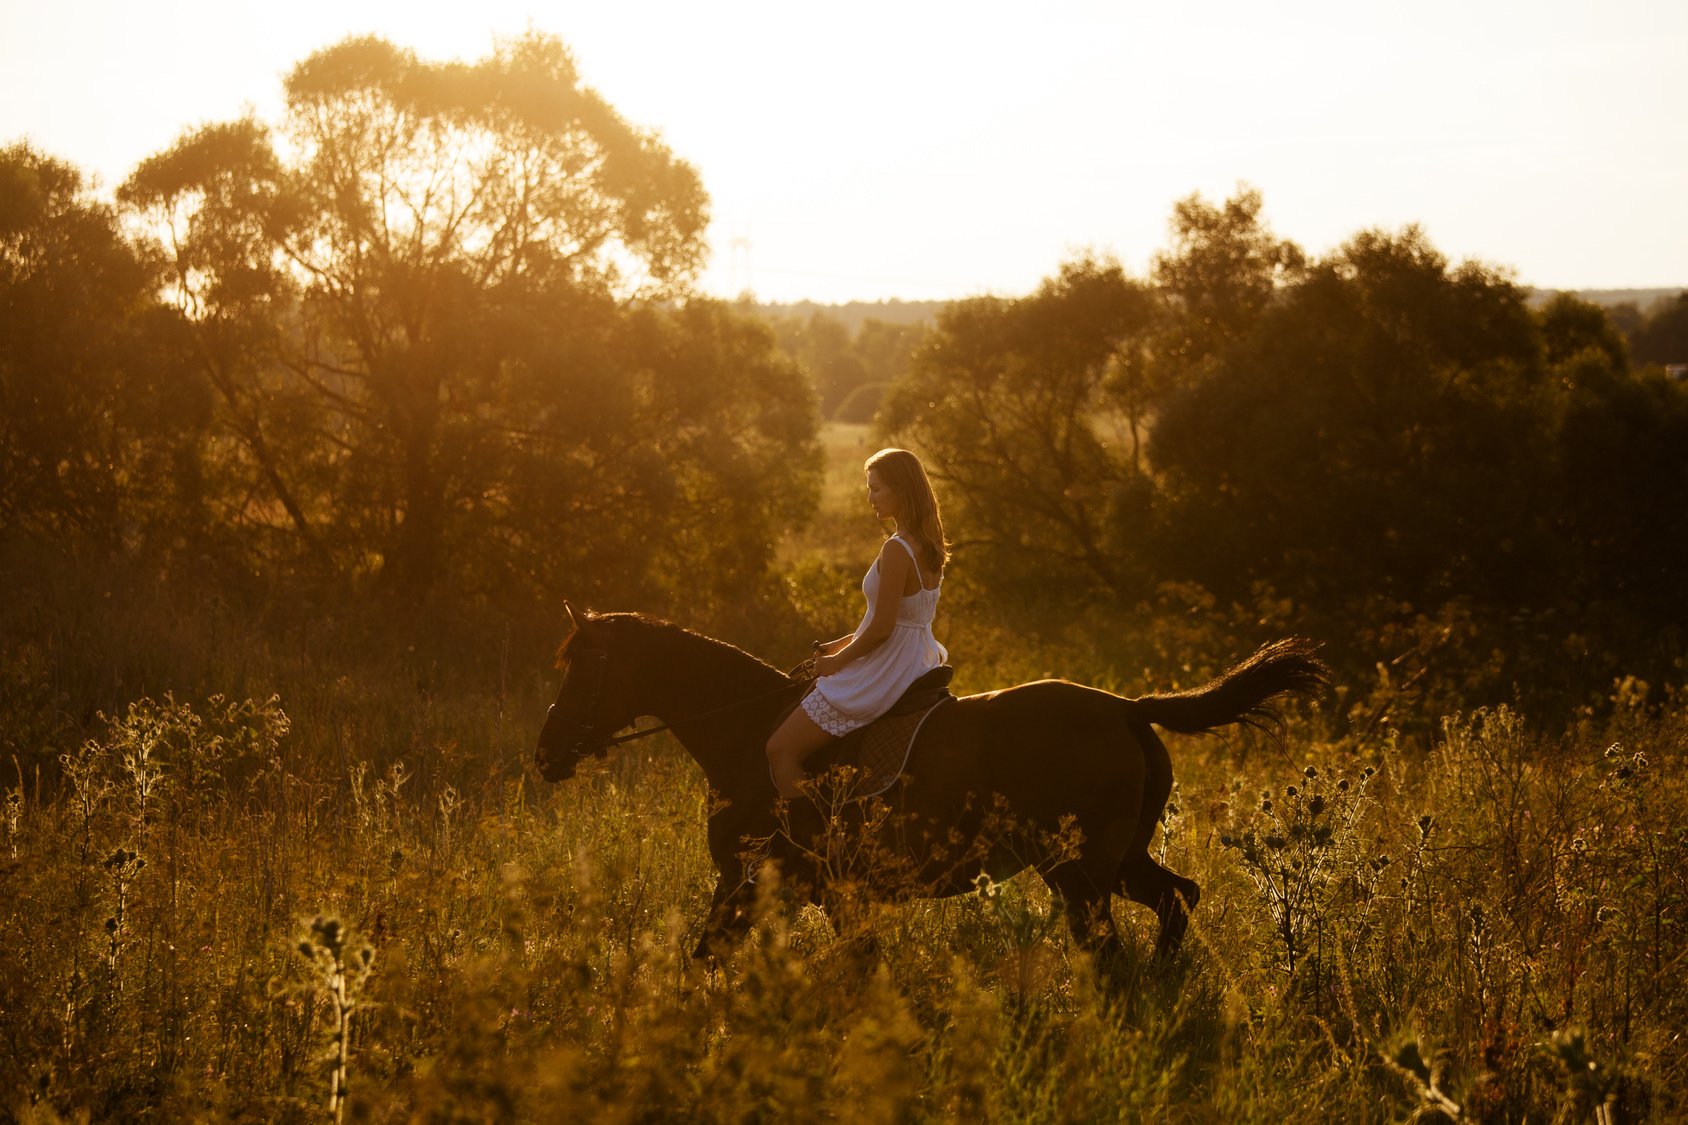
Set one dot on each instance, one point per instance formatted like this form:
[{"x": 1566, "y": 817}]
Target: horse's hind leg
[
  {"x": 1170, "y": 895},
  {"x": 1085, "y": 900}
]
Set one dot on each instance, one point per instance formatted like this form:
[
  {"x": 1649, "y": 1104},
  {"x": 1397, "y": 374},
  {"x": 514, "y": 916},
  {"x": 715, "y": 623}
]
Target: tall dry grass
[{"x": 296, "y": 867}]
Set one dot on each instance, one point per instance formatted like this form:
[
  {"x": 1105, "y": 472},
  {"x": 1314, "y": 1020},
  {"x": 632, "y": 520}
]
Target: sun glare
[{"x": 934, "y": 151}]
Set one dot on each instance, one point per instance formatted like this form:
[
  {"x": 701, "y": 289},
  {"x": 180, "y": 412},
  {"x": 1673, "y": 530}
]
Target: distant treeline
[
  {"x": 1643, "y": 301},
  {"x": 851, "y": 360},
  {"x": 854, "y": 352},
  {"x": 855, "y": 316},
  {"x": 1657, "y": 330}
]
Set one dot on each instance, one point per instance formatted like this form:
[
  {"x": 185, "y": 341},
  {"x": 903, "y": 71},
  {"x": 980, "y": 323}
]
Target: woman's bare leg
[{"x": 795, "y": 740}]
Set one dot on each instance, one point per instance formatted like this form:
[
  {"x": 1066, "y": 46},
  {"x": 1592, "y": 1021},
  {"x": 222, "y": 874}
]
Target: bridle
[
  {"x": 589, "y": 665},
  {"x": 588, "y": 742}
]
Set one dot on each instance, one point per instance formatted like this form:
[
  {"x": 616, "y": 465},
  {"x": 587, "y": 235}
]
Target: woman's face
[{"x": 879, "y": 494}]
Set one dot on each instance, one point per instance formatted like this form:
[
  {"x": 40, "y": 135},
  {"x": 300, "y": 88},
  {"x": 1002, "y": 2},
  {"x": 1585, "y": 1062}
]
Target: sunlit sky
[{"x": 923, "y": 150}]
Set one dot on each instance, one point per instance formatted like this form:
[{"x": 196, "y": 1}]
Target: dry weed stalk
[{"x": 343, "y": 966}]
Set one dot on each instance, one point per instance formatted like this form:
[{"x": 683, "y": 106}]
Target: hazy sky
[{"x": 909, "y": 148}]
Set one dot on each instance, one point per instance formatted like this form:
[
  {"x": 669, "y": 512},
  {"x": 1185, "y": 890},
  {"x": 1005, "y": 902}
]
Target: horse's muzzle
[
  {"x": 562, "y": 746},
  {"x": 554, "y": 757}
]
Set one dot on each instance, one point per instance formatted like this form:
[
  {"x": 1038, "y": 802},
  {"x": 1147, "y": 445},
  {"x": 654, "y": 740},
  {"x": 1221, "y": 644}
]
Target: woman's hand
[
  {"x": 827, "y": 664},
  {"x": 826, "y": 650}
]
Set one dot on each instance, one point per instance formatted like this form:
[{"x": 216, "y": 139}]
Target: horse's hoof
[
  {"x": 1170, "y": 942},
  {"x": 714, "y": 950}
]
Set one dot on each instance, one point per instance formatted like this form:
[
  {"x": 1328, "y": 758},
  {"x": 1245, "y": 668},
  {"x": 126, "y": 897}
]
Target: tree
[
  {"x": 1622, "y": 445},
  {"x": 1221, "y": 272},
  {"x": 1043, "y": 411},
  {"x": 1571, "y": 326},
  {"x": 1663, "y": 338},
  {"x": 424, "y": 190},
  {"x": 1014, "y": 401},
  {"x": 850, "y": 369},
  {"x": 217, "y": 197},
  {"x": 1380, "y": 429},
  {"x": 662, "y": 454},
  {"x": 434, "y": 298},
  {"x": 885, "y": 349},
  {"x": 73, "y": 298},
  {"x": 1623, "y": 458},
  {"x": 1375, "y": 434},
  {"x": 822, "y": 344}
]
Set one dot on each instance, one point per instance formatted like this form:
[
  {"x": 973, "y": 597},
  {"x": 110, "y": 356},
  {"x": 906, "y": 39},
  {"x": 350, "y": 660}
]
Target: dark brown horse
[{"x": 1067, "y": 778}]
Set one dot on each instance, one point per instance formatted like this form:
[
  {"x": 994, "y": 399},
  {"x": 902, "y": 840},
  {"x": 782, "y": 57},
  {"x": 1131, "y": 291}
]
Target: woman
[{"x": 859, "y": 676}]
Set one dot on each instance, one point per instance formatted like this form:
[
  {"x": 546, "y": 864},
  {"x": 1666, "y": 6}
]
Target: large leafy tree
[
  {"x": 1017, "y": 403},
  {"x": 1376, "y": 430},
  {"x": 217, "y": 200},
  {"x": 1571, "y": 327},
  {"x": 1376, "y": 422},
  {"x": 1622, "y": 444},
  {"x": 1221, "y": 272},
  {"x": 79, "y": 362},
  {"x": 417, "y": 296},
  {"x": 1041, "y": 411},
  {"x": 656, "y": 454},
  {"x": 1663, "y": 336}
]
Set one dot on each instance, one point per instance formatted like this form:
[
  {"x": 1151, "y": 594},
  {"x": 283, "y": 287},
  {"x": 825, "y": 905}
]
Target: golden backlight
[{"x": 934, "y": 150}]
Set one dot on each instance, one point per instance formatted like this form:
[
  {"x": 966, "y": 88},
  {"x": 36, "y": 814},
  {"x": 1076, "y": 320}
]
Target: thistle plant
[
  {"x": 14, "y": 815},
  {"x": 377, "y": 806},
  {"x": 1592, "y": 1089},
  {"x": 145, "y": 768},
  {"x": 1171, "y": 820},
  {"x": 1426, "y": 1081},
  {"x": 1299, "y": 849},
  {"x": 451, "y": 807},
  {"x": 124, "y": 865},
  {"x": 1025, "y": 924},
  {"x": 1645, "y": 898},
  {"x": 85, "y": 771},
  {"x": 343, "y": 966}
]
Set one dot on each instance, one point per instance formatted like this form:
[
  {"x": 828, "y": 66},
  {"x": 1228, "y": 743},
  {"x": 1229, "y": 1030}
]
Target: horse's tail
[{"x": 1250, "y": 693}]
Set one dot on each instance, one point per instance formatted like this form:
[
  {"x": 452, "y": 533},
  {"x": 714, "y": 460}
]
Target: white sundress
[{"x": 865, "y": 689}]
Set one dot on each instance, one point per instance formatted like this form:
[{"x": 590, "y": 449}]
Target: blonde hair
[{"x": 902, "y": 472}]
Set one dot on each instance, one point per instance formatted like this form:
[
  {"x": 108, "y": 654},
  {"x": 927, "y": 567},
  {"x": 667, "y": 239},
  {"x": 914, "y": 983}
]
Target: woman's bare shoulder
[{"x": 894, "y": 552}]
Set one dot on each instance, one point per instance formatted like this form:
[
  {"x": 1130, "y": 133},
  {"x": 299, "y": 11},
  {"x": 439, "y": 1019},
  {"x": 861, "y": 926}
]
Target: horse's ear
[
  {"x": 575, "y": 624},
  {"x": 578, "y": 618}
]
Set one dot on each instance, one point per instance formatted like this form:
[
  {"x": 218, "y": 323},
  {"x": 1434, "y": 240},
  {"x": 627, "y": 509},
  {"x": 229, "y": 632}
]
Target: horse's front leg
[
  {"x": 731, "y": 909},
  {"x": 729, "y": 919}
]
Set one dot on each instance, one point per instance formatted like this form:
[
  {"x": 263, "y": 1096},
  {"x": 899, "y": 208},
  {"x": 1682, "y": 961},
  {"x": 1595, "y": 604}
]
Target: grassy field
[{"x": 301, "y": 874}]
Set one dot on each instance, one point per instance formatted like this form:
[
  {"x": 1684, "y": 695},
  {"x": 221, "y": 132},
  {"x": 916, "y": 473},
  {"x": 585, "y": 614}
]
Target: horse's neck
[
  {"x": 689, "y": 670},
  {"x": 688, "y": 677}
]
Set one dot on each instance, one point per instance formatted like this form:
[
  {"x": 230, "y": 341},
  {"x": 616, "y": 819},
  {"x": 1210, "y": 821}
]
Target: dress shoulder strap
[{"x": 914, "y": 556}]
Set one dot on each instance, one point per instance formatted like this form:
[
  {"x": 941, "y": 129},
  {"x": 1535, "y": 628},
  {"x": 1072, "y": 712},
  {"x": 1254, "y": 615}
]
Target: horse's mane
[{"x": 654, "y": 631}]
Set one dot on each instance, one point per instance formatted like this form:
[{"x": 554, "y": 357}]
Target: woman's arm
[{"x": 894, "y": 568}]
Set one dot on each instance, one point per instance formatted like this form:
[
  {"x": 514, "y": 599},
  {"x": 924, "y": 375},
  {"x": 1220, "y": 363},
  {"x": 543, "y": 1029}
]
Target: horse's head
[{"x": 595, "y": 700}]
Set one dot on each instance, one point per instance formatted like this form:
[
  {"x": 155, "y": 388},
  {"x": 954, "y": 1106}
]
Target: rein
[
  {"x": 631, "y": 736},
  {"x": 803, "y": 671}
]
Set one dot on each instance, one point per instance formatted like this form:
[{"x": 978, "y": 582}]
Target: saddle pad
[{"x": 882, "y": 751}]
